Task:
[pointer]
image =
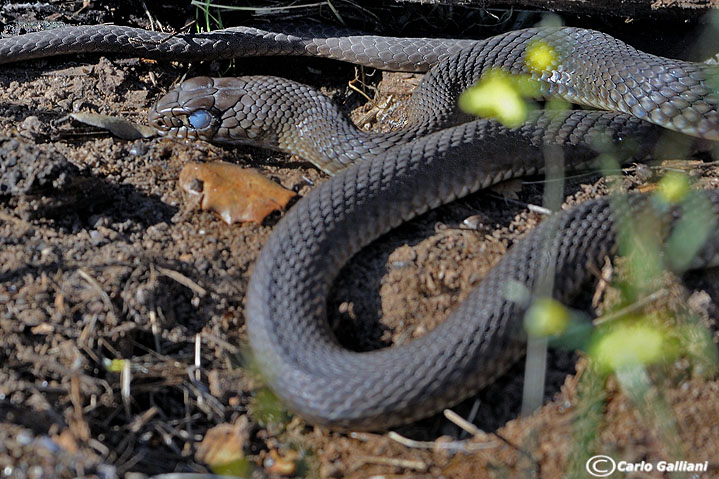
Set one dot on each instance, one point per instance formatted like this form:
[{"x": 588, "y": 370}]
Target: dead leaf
[
  {"x": 282, "y": 465},
  {"x": 222, "y": 448},
  {"x": 236, "y": 194},
  {"x": 119, "y": 127}
]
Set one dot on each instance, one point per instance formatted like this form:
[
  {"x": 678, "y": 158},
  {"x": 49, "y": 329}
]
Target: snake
[{"x": 381, "y": 180}]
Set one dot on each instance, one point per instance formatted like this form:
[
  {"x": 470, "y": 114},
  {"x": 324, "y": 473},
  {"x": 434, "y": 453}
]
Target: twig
[
  {"x": 463, "y": 423},
  {"x": 149, "y": 16},
  {"x": 372, "y": 113},
  {"x": 351, "y": 85},
  {"x": 405, "y": 441},
  {"x": 125, "y": 381},
  {"x": 190, "y": 475},
  {"x": 632, "y": 308},
  {"x": 392, "y": 461},
  {"x": 182, "y": 279},
  {"x": 103, "y": 295},
  {"x": 140, "y": 421},
  {"x": 539, "y": 209},
  {"x": 463, "y": 446},
  {"x": 535, "y": 208},
  {"x": 231, "y": 348},
  {"x": 155, "y": 328}
]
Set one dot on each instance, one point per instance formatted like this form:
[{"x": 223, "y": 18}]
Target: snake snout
[
  {"x": 183, "y": 124},
  {"x": 187, "y": 112}
]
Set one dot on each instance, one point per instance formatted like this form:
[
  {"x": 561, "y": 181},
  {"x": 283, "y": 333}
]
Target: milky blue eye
[{"x": 200, "y": 119}]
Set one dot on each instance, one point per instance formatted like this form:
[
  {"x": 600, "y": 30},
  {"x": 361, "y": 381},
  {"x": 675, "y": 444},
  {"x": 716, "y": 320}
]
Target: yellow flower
[
  {"x": 673, "y": 186},
  {"x": 497, "y": 95},
  {"x": 546, "y": 317},
  {"x": 541, "y": 57},
  {"x": 627, "y": 345}
]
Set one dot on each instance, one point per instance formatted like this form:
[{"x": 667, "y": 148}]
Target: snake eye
[{"x": 200, "y": 119}]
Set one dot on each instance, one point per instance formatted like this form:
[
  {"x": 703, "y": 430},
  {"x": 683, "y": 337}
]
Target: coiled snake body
[{"x": 402, "y": 174}]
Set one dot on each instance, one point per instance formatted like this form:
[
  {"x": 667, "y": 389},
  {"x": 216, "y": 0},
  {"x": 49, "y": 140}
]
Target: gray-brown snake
[{"x": 403, "y": 174}]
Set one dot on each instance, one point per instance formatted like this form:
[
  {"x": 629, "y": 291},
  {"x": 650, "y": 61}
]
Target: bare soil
[{"x": 102, "y": 259}]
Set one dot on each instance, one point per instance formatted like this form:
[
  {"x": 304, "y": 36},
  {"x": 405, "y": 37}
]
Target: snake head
[
  {"x": 188, "y": 112},
  {"x": 205, "y": 108},
  {"x": 262, "y": 111},
  {"x": 222, "y": 110}
]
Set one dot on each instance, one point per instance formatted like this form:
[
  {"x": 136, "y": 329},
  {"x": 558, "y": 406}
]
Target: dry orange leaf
[
  {"x": 223, "y": 446},
  {"x": 282, "y": 465},
  {"x": 236, "y": 194}
]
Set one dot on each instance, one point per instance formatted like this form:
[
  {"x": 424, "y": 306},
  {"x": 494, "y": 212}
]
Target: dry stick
[
  {"x": 190, "y": 475},
  {"x": 206, "y": 402},
  {"x": 125, "y": 381},
  {"x": 463, "y": 446},
  {"x": 229, "y": 347},
  {"x": 87, "y": 331},
  {"x": 392, "y": 461},
  {"x": 632, "y": 308},
  {"x": 474, "y": 411},
  {"x": 99, "y": 447},
  {"x": 149, "y": 15},
  {"x": 156, "y": 333},
  {"x": 196, "y": 372},
  {"x": 103, "y": 295},
  {"x": 141, "y": 420},
  {"x": 371, "y": 115},
  {"x": 603, "y": 280},
  {"x": 182, "y": 279},
  {"x": 351, "y": 85},
  {"x": 405, "y": 441},
  {"x": 531, "y": 207},
  {"x": 463, "y": 423}
]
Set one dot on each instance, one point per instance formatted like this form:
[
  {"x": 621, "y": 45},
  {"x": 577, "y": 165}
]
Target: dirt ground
[{"x": 103, "y": 259}]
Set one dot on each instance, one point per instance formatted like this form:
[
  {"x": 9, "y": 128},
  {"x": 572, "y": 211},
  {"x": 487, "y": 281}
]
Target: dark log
[{"x": 616, "y": 8}]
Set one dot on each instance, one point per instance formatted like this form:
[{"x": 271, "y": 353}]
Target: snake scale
[{"x": 382, "y": 180}]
